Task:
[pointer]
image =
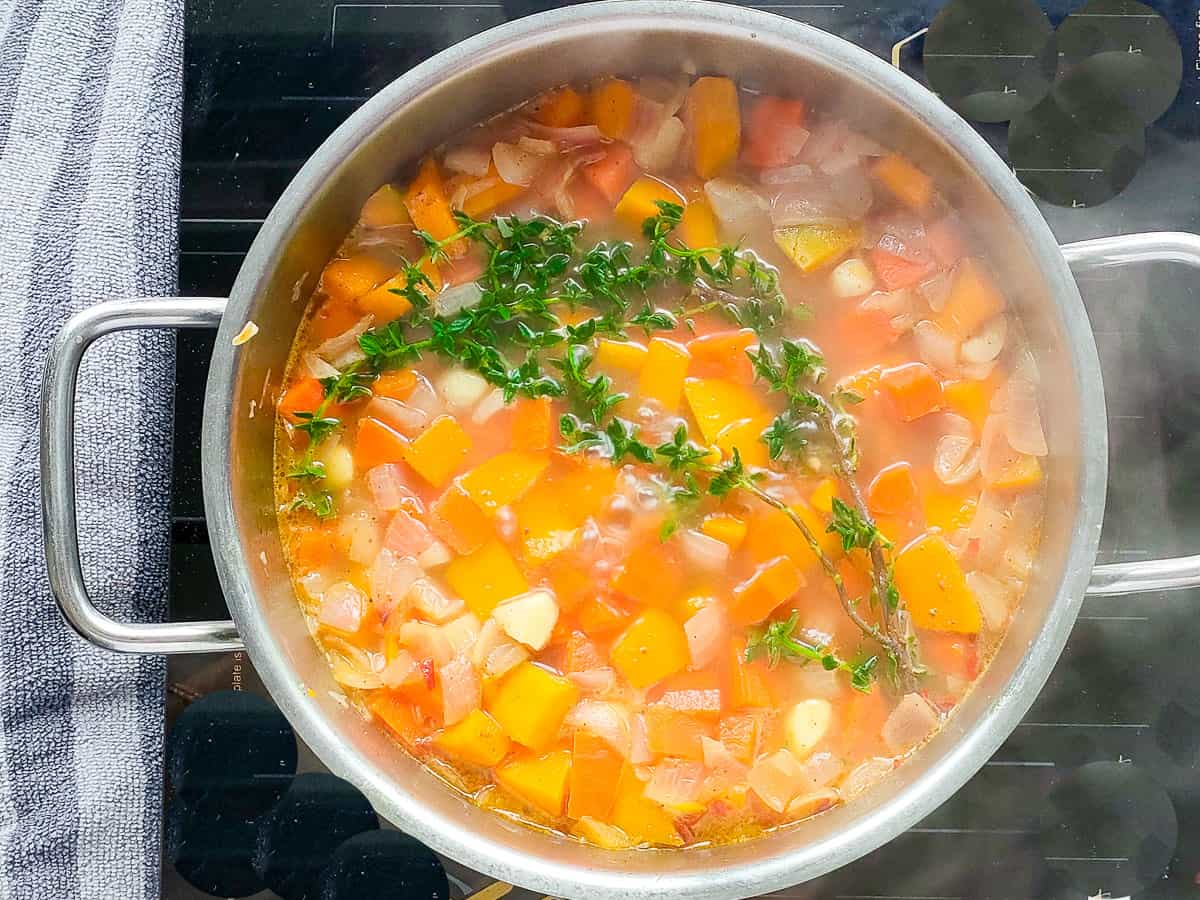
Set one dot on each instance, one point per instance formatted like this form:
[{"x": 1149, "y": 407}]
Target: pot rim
[{"x": 876, "y": 826}]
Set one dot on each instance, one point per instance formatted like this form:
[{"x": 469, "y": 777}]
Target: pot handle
[
  {"x": 59, "y": 526},
  {"x": 1102, "y": 253}
]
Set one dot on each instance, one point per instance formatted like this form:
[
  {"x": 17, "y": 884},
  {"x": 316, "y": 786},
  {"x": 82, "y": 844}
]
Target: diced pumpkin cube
[
  {"x": 725, "y": 353},
  {"x": 892, "y": 492},
  {"x": 456, "y": 519},
  {"x": 549, "y": 514},
  {"x": 1024, "y": 472},
  {"x": 377, "y": 443},
  {"x": 904, "y": 181},
  {"x": 914, "y": 390},
  {"x": 772, "y": 533},
  {"x": 729, "y": 530},
  {"x": 947, "y": 507},
  {"x": 698, "y": 227},
  {"x": 650, "y": 576},
  {"x": 594, "y": 771},
  {"x": 639, "y": 203},
  {"x": 304, "y": 395},
  {"x": 651, "y": 648},
  {"x": 672, "y": 732},
  {"x": 386, "y": 305},
  {"x": 629, "y": 356},
  {"x": 561, "y": 108},
  {"x": 397, "y": 714},
  {"x": 747, "y": 680},
  {"x": 610, "y": 107},
  {"x": 485, "y": 577},
  {"x": 334, "y": 317},
  {"x": 729, "y": 415},
  {"x": 437, "y": 452},
  {"x": 348, "y": 279},
  {"x": 662, "y": 377},
  {"x": 504, "y": 478},
  {"x": 430, "y": 210},
  {"x": 970, "y": 399},
  {"x": 821, "y": 499},
  {"x": 398, "y": 384},
  {"x": 814, "y": 246},
  {"x": 533, "y": 423},
  {"x": 539, "y": 781},
  {"x": 530, "y": 704},
  {"x": 713, "y": 112},
  {"x": 477, "y": 739},
  {"x": 757, "y": 597},
  {"x": 972, "y": 301},
  {"x": 746, "y": 437},
  {"x": 384, "y": 208},
  {"x": 933, "y": 588},
  {"x": 598, "y": 616},
  {"x": 485, "y": 202},
  {"x": 645, "y": 821}
]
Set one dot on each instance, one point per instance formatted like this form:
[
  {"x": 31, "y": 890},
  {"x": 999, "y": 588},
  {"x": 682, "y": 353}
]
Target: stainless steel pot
[{"x": 460, "y": 86}]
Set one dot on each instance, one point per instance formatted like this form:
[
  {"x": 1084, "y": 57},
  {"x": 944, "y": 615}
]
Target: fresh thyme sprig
[{"x": 777, "y": 642}]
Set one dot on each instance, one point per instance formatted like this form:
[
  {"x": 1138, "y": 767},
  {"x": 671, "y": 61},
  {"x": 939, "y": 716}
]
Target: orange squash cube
[
  {"x": 672, "y": 732},
  {"x": 348, "y": 279},
  {"x": 650, "y": 575},
  {"x": 385, "y": 305},
  {"x": 757, "y": 597},
  {"x": 892, "y": 492},
  {"x": 729, "y": 530},
  {"x": 562, "y": 108},
  {"x": 437, "y": 452},
  {"x": 485, "y": 202},
  {"x": 651, "y": 648},
  {"x": 933, "y": 588},
  {"x": 530, "y": 704},
  {"x": 972, "y": 301},
  {"x": 456, "y": 519},
  {"x": 398, "y": 384},
  {"x": 698, "y": 227},
  {"x": 539, "y": 781},
  {"x": 533, "y": 424},
  {"x": 914, "y": 390},
  {"x": 429, "y": 208},
  {"x": 724, "y": 352},
  {"x": 610, "y": 107},
  {"x": 385, "y": 208},
  {"x": 595, "y": 769},
  {"x": 477, "y": 739},
  {"x": 714, "y": 114},
  {"x": 485, "y": 577},
  {"x": 645, "y": 821},
  {"x": 662, "y": 377},
  {"x": 376, "y": 444},
  {"x": 640, "y": 201},
  {"x": 504, "y": 478},
  {"x": 629, "y": 356},
  {"x": 904, "y": 181}
]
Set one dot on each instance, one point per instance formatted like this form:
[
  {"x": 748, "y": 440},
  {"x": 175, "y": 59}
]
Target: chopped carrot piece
[
  {"x": 867, "y": 331},
  {"x": 312, "y": 548},
  {"x": 645, "y": 821},
  {"x": 304, "y": 395},
  {"x": 594, "y": 772},
  {"x": 485, "y": 577},
  {"x": 477, "y": 739},
  {"x": 713, "y": 112},
  {"x": 651, "y": 648},
  {"x": 348, "y": 279},
  {"x": 933, "y": 588},
  {"x": 972, "y": 301},
  {"x": 572, "y": 586},
  {"x": 397, "y": 384},
  {"x": 385, "y": 207},
  {"x": 1024, "y": 472},
  {"x": 504, "y": 478},
  {"x": 533, "y": 424},
  {"x": 334, "y": 317},
  {"x": 662, "y": 377},
  {"x": 914, "y": 390},
  {"x": 598, "y": 616},
  {"x": 640, "y": 202},
  {"x": 429, "y": 208},
  {"x": 539, "y": 781},
  {"x": 610, "y": 107},
  {"x": 771, "y": 131},
  {"x": 561, "y": 108},
  {"x": 747, "y": 680},
  {"x": 951, "y": 654},
  {"x": 670, "y": 732},
  {"x": 456, "y": 519},
  {"x": 376, "y": 444},
  {"x": 821, "y": 499},
  {"x": 729, "y": 415},
  {"x": 725, "y": 353},
  {"x": 815, "y": 246},
  {"x": 864, "y": 714},
  {"x": 627, "y": 355},
  {"x": 772, "y": 533},
  {"x": 757, "y": 597},
  {"x": 650, "y": 575},
  {"x": 892, "y": 492},
  {"x": 613, "y": 174},
  {"x": 946, "y": 241},
  {"x": 904, "y": 181},
  {"x": 485, "y": 202},
  {"x": 698, "y": 227},
  {"x": 385, "y": 304},
  {"x": 397, "y": 714},
  {"x": 530, "y": 703},
  {"x": 970, "y": 399},
  {"x": 729, "y": 530},
  {"x": 437, "y": 452},
  {"x": 895, "y": 272},
  {"x": 549, "y": 514}
]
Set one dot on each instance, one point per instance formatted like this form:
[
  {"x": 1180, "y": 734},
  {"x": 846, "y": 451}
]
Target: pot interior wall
[{"x": 428, "y": 107}]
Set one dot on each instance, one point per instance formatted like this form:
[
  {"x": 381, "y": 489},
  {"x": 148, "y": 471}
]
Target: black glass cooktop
[{"x": 1097, "y": 793}]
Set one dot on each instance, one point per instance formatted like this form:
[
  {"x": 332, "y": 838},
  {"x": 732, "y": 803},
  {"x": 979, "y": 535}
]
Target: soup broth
[{"x": 659, "y": 462}]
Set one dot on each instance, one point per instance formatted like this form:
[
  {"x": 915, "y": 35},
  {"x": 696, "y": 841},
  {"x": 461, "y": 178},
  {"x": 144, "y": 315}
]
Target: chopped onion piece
[
  {"x": 402, "y": 670},
  {"x": 777, "y": 779},
  {"x": 431, "y": 602},
  {"x": 426, "y": 641},
  {"x": 866, "y": 774},
  {"x": 704, "y": 552},
  {"x": 462, "y": 633},
  {"x": 724, "y": 769},
  {"x": 658, "y": 150},
  {"x": 577, "y": 135},
  {"x": 669, "y": 93},
  {"x": 343, "y": 349},
  {"x": 317, "y": 367},
  {"x": 406, "y": 535},
  {"x": 594, "y": 681},
  {"x": 989, "y": 527},
  {"x": 462, "y": 691},
  {"x": 425, "y": 398},
  {"x": 488, "y": 407},
  {"x": 1023, "y": 419},
  {"x": 515, "y": 164},
  {"x": 388, "y": 491},
  {"x": 360, "y": 533},
  {"x": 454, "y": 300},
  {"x": 786, "y": 174},
  {"x": 436, "y": 554},
  {"x": 994, "y": 598},
  {"x": 353, "y": 668},
  {"x": 390, "y": 578},
  {"x": 851, "y": 278},
  {"x": 935, "y": 291},
  {"x": 913, "y": 720},
  {"x": 536, "y": 145},
  {"x": 955, "y": 459},
  {"x": 738, "y": 207},
  {"x": 408, "y": 420},
  {"x": 986, "y": 346},
  {"x": 639, "y": 745},
  {"x": 494, "y": 653},
  {"x": 247, "y": 334},
  {"x": 706, "y": 632},
  {"x": 676, "y": 783},
  {"x": 342, "y": 607},
  {"x": 469, "y": 160},
  {"x": 461, "y": 389},
  {"x": 608, "y": 721}
]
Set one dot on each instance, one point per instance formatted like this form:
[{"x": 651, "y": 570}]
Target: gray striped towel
[{"x": 90, "y": 97}]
